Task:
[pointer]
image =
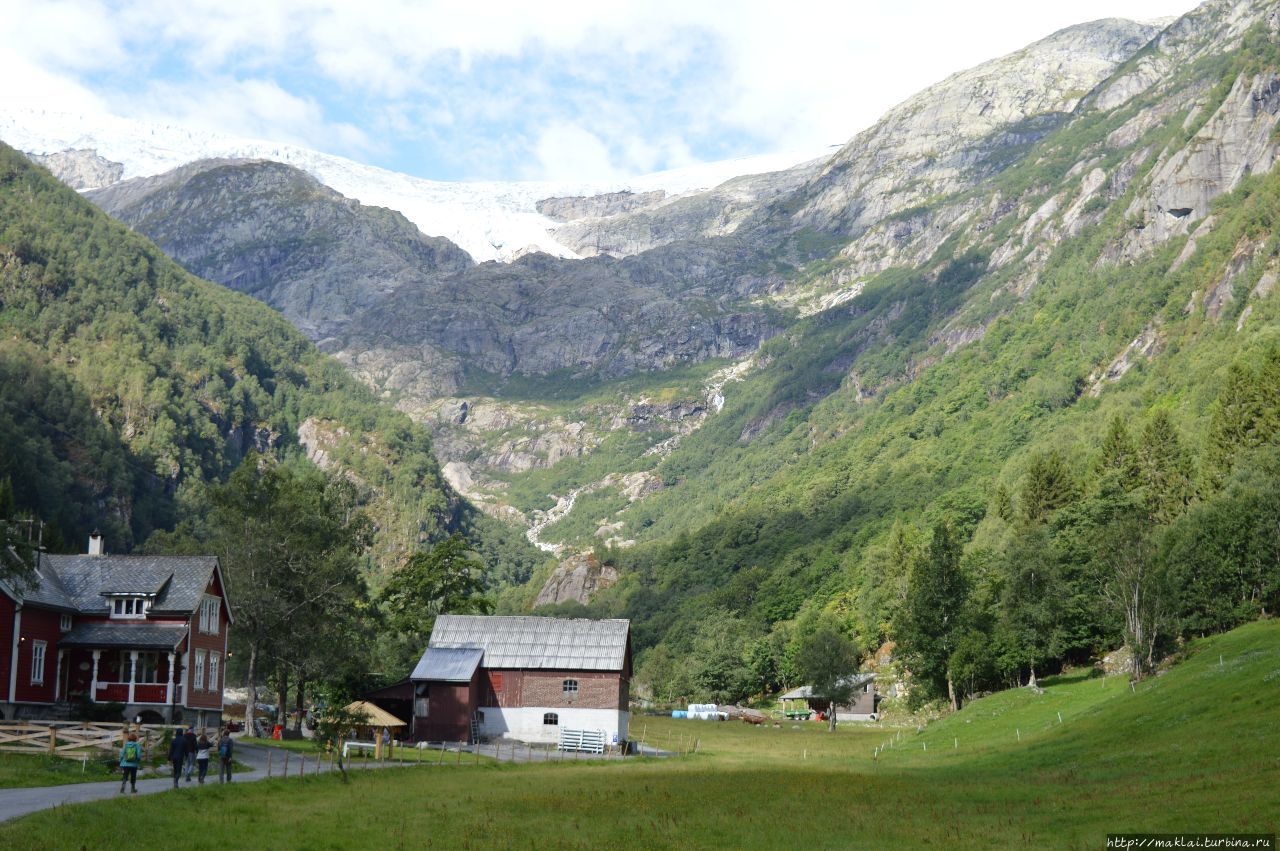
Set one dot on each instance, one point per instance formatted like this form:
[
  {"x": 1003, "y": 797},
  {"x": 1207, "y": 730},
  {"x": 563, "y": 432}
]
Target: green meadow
[{"x": 1196, "y": 749}]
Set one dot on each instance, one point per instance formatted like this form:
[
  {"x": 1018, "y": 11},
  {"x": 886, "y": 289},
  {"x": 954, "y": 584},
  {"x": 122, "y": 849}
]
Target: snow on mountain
[{"x": 490, "y": 220}]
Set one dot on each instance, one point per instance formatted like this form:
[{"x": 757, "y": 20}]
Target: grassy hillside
[{"x": 1194, "y": 750}]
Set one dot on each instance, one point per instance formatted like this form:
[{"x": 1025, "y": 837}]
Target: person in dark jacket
[
  {"x": 190, "y": 736},
  {"x": 178, "y": 754},
  {"x": 226, "y": 747}
]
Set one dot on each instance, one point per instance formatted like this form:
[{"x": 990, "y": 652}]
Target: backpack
[
  {"x": 131, "y": 752},
  {"x": 224, "y": 748}
]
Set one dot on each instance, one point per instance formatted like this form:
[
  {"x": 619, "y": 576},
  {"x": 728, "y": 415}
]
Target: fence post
[{"x": 53, "y": 740}]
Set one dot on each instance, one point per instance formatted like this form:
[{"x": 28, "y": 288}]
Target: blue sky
[{"x": 516, "y": 90}]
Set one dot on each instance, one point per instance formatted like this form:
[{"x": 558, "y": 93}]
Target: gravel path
[{"x": 19, "y": 802}]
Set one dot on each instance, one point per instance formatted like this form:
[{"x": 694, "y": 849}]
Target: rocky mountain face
[
  {"x": 619, "y": 230},
  {"x": 81, "y": 168},
  {"x": 967, "y": 187},
  {"x": 276, "y": 233},
  {"x": 674, "y": 279}
]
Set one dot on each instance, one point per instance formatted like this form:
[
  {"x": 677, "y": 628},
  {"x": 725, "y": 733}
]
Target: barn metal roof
[
  {"x": 805, "y": 692},
  {"x": 448, "y": 664},
  {"x": 535, "y": 642}
]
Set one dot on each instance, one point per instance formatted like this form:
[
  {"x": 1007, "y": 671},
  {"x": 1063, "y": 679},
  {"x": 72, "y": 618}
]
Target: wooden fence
[{"x": 72, "y": 739}]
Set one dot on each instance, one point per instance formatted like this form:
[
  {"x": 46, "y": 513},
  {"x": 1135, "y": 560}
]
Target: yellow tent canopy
[{"x": 378, "y": 717}]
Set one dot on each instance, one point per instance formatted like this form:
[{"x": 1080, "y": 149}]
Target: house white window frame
[
  {"x": 64, "y": 622},
  {"x": 215, "y": 662},
  {"x": 147, "y": 671},
  {"x": 197, "y": 684},
  {"x": 127, "y": 607},
  {"x": 569, "y": 687},
  {"x": 210, "y": 615},
  {"x": 39, "y": 653}
]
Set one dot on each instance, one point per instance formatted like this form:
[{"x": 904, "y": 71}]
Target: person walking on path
[
  {"x": 178, "y": 754},
  {"x": 226, "y": 745},
  {"x": 130, "y": 759},
  {"x": 190, "y": 736},
  {"x": 202, "y": 756}
]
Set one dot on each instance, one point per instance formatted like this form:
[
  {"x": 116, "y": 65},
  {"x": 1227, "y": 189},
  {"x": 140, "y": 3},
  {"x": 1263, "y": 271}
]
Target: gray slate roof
[
  {"x": 533, "y": 642},
  {"x": 131, "y": 635},
  {"x": 448, "y": 664},
  {"x": 80, "y": 581}
]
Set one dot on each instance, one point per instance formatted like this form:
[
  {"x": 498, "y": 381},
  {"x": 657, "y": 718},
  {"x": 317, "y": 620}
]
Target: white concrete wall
[{"x": 525, "y": 723}]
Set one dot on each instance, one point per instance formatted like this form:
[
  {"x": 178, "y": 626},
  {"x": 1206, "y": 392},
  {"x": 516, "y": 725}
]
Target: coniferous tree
[
  {"x": 1163, "y": 469},
  {"x": 932, "y": 619},
  {"x": 1048, "y": 486}
]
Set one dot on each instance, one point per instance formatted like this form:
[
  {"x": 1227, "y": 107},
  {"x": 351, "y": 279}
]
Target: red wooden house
[{"x": 147, "y": 632}]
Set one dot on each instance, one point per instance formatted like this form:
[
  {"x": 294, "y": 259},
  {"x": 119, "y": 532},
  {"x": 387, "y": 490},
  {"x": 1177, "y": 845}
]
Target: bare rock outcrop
[
  {"x": 566, "y": 209},
  {"x": 576, "y": 579},
  {"x": 80, "y": 168}
]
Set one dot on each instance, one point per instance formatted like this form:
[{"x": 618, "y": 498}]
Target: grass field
[
  {"x": 1197, "y": 749},
  {"x": 26, "y": 770}
]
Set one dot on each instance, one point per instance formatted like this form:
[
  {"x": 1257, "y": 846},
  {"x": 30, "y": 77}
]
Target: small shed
[
  {"x": 862, "y": 706},
  {"x": 378, "y": 720}
]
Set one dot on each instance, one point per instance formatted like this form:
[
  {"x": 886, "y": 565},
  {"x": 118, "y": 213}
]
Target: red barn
[
  {"x": 147, "y": 632},
  {"x": 527, "y": 678}
]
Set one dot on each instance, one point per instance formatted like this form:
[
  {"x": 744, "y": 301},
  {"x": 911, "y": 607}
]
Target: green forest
[
  {"x": 129, "y": 385},
  {"x": 1004, "y": 487}
]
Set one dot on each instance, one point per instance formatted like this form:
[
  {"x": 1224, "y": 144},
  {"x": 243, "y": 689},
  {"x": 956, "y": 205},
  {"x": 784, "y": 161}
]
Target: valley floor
[{"x": 1197, "y": 749}]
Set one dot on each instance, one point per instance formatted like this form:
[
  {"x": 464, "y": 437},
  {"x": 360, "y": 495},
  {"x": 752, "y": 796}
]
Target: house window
[
  {"x": 210, "y": 609},
  {"x": 128, "y": 607},
  {"x": 198, "y": 682},
  {"x": 65, "y": 623},
  {"x": 37, "y": 662},
  {"x": 551, "y": 719},
  {"x": 570, "y": 689},
  {"x": 214, "y": 659}
]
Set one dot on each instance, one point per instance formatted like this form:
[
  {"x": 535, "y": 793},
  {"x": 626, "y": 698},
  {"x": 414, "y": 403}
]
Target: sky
[{"x": 523, "y": 90}]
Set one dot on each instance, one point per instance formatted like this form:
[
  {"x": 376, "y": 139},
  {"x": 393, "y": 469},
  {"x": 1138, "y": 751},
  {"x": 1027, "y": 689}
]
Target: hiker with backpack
[
  {"x": 130, "y": 760},
  {"x": 226, "y": 746}
]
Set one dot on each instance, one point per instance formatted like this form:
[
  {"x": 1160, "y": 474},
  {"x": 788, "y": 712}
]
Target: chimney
[{"x": 95, "y": 543}]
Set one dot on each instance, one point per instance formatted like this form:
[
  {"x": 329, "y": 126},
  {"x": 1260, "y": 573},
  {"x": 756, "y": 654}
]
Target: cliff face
[{"x": 273, "y": 232}]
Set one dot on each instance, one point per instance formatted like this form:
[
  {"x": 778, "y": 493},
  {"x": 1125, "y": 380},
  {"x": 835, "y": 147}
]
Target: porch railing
[{"x": 142, "y": 693}]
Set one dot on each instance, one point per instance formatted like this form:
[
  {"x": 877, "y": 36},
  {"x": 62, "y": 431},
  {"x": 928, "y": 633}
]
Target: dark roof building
[{"x": 147, "y": 632}]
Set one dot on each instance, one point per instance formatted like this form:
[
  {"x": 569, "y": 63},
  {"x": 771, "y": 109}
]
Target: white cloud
[
  {"x": 631, "y": 84},
  {"x": 252, "y": 108},
  {"x": 568, "y": 152}
]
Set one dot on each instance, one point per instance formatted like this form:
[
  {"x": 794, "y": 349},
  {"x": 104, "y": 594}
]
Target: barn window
[
  {"x": 64, "y": 623},
  {"x": 551, "y": 719},
  {"x": 570, "y": 688}
]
